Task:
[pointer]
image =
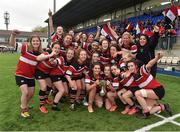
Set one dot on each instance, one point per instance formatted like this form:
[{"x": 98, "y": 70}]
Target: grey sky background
[{"x": 27, "y": 14}]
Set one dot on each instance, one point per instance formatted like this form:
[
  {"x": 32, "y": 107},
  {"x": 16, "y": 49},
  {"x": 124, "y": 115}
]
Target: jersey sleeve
[
  {"x": 87, "y": 79},
  {"x": 60, "y": 61},
  {"x": 70, "y": 70},
  {"x": 23, "y": 48},
  {"x": 115, "y": 83},
  {"x": 144, "y": 70},
  {"x": 133, "y": 49}
]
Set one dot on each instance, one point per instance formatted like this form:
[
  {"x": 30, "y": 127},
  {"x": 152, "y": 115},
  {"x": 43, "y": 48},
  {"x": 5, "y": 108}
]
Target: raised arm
[
  {"x": 42, "y": 56},
  {"x": 12, "y": 40},
  {"x": 154, "y": 39},
  {"x": 50, "y": 22},
  {"x": 98, "y": 32},
  {"x": 112, "y": 31},
  {"x": 153, "y": 61}
]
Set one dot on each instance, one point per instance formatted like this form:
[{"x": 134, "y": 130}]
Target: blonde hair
[
  {"x": 126, "y": 33},
  {"x": 129, "y": 36}
]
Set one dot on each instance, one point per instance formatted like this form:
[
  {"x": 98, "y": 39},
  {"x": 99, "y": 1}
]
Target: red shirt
[
  {"x": 55, "y": 37},
  {"x": 128, "y": 82},
  {"x": 59, "y": 69},
  {"x": 76, "y": 69},
  {"x": 104, "y": 57},
  {"x": 27, "y": 63},
  {"x": 146, "y": 80},
  {"x": 45, "y": 66},
  {"x": 63, "y": 49},
  {"x": 115, "y": 83}
]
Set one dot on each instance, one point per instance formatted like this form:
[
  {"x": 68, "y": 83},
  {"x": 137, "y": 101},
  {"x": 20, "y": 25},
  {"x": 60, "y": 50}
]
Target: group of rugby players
[{"x": 91, "y": 69}]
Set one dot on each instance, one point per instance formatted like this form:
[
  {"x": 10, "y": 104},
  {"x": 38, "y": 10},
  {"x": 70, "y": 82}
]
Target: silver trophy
[{"x": 102, "y": 85}]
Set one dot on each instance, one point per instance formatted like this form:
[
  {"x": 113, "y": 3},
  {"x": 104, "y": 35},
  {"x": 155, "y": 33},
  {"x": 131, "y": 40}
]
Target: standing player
[
  {"x": 58, "y": 35},
  {"x": 25, "y": 69},
  {"x": 50, "y": 61},
  {"x": 74, "y": 75}
]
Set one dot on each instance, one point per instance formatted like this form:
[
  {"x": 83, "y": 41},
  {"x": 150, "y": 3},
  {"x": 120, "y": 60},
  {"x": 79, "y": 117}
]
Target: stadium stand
[{"x": 129, "y": 11}]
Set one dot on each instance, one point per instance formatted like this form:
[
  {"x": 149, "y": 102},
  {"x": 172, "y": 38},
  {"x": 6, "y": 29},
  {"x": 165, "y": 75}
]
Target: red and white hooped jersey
[
  {"x": 115, "y": 83},
  {"x": 131, "y": 47},
  {"x": 76, "y": 69},
  {"x": 91, "y": 79},
  {"x": 87, "y": 47},
  {"x": 105, "y": 57},
  {"x": 122, "y": 65},
  {"x": 128, "y": 82},
  {"x": 27, "y": 63},
  {"x": 55, "y": 37},
  {"x": 64, "y": 48},
  {"x": 45, "y": 66},
  {"x": 66, "y": 64},
  {"x": 146, "y": 80},
  {"x": 115, "y": 60},
  {"x": 59, "y": 70}
]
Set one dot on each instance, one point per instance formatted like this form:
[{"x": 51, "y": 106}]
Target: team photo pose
[
  {"x": 75, "y": 75},
  {"x": 92, "y": 81},
  {"x": 25, "y": 69},
  {"x": 146, "y": 48},
  {"x": 44, "y": 68},
  {"x": 149, "y": 88}
]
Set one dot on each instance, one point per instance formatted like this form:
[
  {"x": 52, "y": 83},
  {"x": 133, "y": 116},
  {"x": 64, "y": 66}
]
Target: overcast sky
[{"x": 27, "y": 14}]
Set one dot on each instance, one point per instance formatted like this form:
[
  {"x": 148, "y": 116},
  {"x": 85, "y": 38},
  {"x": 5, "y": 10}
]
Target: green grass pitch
[{"x": 66, "y": 120}]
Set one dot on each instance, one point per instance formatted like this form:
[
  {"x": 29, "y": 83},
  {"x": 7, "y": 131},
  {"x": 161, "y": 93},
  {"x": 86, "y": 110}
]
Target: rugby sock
[
  {"x": 47, "y": 92},
  {"x": 24, "y": 110},
  {"x": 42, "y": 97},
  {"x": 83, "y": 94},
  {"x": 72, "y": 94}
]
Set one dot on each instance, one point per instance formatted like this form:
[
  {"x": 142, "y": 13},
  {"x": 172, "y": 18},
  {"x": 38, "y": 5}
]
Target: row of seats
[
  {"x": 134, "y": 20},
  {"x": 144, "y": 18},
  {"x": 169, "y": 60}
]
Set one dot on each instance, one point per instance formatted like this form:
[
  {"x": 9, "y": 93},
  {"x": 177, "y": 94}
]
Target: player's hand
[
  {"x": 98, "y": 28},
  {"x": 97, "y": 82},
  {"x": 52, "y": 54},
  {"x": 160, "y": 54},
  {"x": 50, "y": 13},
  {"x": 156, "y": 29},
  {"x": 51, "y": 60},
  {"x": 108, "y": 83},
  {"x": 15, "y": 32},
  {"x": 108, "y": 24}
]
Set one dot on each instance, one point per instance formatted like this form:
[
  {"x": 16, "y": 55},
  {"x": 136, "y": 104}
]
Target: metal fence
[{"x": 166, "y": 42}]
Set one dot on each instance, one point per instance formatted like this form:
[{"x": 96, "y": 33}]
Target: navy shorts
[
  {"x": 64, "y": 79},
  {"x": 56, "y": 78},
  {"x": 78, "y": 77},
  {"x": 21, "y": 80},
  {"x": 40, "y": 75},
  {"x": 159, "y": 91},
  {"x": 133, "y": 89}
]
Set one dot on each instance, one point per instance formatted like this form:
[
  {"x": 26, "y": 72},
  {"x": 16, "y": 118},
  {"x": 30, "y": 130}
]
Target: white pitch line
[
  {"x": 159, "y": 123},
  {"x": 176, "y": 123},
  {"x": 168, "y": 119},
  {"x": 160, "y": 116}
]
